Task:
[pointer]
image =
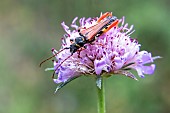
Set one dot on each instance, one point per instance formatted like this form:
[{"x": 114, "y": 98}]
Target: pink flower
[{"x": 114, "y": 52}]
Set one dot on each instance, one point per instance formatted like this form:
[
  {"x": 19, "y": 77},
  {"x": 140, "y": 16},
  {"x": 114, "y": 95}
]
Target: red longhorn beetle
[{"x": 88, "y": 35}]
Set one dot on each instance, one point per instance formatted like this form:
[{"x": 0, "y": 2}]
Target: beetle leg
[
  {"x": 79, "y": 50},
  {"x": 104, "y": 16}
]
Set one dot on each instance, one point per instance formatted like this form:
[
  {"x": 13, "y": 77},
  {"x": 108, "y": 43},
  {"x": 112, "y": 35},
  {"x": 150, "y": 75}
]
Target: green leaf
[{"x": 65, "y": 83}]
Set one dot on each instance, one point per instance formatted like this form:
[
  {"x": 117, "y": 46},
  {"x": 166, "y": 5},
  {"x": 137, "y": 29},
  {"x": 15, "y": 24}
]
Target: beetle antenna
[
  {"x": 60, "y": 65},
  {"x": 52, "y": 56}
]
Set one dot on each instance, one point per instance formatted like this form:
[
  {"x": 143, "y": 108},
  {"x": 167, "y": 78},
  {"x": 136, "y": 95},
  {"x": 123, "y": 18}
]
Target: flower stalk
[{"x": 101, "y": 96}]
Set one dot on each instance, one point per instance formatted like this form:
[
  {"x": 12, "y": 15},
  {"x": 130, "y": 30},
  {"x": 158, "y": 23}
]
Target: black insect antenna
[
  {"x": 53, "y": 56},
  {"x": 61, "y": 64}
]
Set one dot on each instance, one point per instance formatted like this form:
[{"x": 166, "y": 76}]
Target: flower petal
[
  {"x": 148, "y": 69},
  {"x": 99, "y": 65},
  {"x": 64, "y": 74}
]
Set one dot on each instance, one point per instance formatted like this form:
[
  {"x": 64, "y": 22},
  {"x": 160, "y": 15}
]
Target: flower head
[{"x": 114, "y": 52}]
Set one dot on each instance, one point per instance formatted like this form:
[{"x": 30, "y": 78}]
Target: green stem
[{"x": 101, "y": 97}]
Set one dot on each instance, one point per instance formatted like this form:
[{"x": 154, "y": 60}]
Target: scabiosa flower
[{"x": 114, "y": 52}]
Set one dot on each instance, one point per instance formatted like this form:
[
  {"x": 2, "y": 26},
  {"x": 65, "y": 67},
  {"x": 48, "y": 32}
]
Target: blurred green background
[{"x": 30, "y": 28}]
